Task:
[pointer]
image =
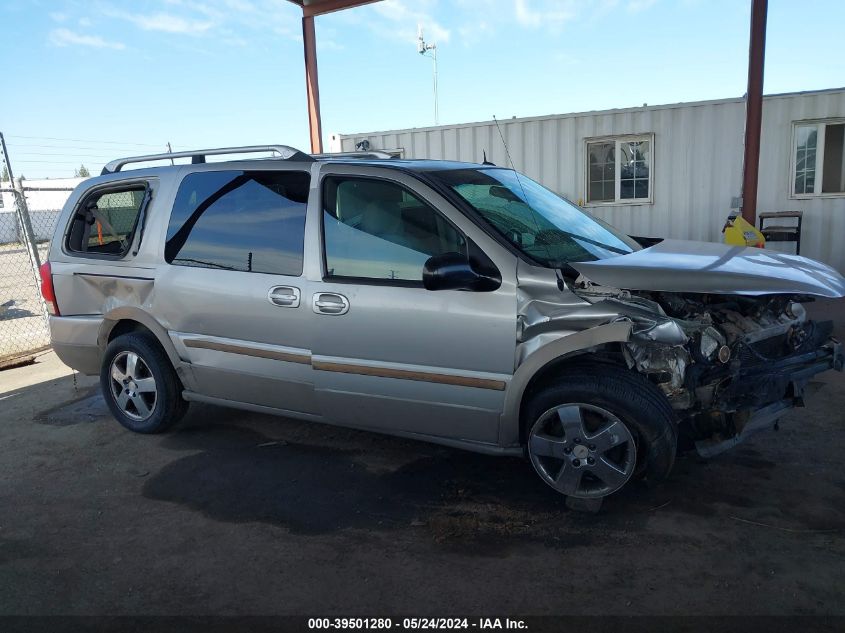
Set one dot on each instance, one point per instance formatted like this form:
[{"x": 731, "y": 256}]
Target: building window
[
  {"x": 619, "y": 170},
  {"x": 819, "y": 158}
]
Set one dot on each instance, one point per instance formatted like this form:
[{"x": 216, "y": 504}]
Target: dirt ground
[{"x": 237, "y": 513}]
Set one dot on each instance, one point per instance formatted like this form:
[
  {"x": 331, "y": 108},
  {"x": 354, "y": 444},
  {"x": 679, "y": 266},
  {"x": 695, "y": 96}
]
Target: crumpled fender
[{"x": 572, "y": 344}]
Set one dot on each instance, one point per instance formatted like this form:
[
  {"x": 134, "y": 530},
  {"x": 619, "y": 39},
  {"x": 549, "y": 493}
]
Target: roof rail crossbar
[
  {"x": 198, "y": 156},
  {"x": 370, "y": 154}
]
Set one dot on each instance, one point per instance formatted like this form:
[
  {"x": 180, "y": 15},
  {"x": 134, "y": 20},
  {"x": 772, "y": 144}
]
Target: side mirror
[{"x": 454, "y": 271}]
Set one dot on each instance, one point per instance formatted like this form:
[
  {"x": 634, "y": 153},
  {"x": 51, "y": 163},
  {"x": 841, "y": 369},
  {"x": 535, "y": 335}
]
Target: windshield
[{"x": 544, "y": 226}]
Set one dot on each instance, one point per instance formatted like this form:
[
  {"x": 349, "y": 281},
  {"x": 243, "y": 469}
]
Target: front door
[
  {"x": 232, "y": 293},
  {"x": 387, "y": 353}
]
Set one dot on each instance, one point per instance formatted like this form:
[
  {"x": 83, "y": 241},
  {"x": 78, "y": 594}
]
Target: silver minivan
[{"x": 456, "y": 303}]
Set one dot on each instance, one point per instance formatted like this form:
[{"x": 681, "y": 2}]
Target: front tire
[
  {"x": 139, "y": 384},
  {"x": 595, "y": 427}
]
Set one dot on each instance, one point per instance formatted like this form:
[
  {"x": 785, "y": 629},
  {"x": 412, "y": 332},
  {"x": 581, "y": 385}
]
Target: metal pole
[
  {"x": 6, "y": 160},
  {"x": 754, "y": 110},
  {"x": 434, "y": 57},
  {"x": 27, "y": 236},
  {"x": 312, "y": 85}
]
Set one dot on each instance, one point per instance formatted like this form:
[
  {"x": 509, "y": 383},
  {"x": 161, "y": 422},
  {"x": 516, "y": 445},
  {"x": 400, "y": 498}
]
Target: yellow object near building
[{"x": 738, "y": 232}]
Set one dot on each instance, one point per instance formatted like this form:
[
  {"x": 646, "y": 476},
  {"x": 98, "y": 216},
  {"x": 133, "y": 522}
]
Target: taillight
[{"x": 47, "y": 290}]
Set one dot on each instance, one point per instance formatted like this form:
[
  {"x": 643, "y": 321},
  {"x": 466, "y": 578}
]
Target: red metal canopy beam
[
  {"x": 312, "y": 85},
  {"x": 754, "y": 110},
  {"x": 321, "y": 7},
  {"x": 311, "y": 9}
]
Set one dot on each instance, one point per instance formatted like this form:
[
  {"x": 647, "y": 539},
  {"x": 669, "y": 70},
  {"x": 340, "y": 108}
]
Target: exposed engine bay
[{"x": 723, "y": 360}]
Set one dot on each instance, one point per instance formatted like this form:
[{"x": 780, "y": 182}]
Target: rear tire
[
  {"x": 139, "y": 384},
  {"x": 597, "y": 426}
]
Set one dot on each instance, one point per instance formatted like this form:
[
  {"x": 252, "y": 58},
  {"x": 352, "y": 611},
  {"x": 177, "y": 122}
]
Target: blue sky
[{"x": 85, "y": 81}]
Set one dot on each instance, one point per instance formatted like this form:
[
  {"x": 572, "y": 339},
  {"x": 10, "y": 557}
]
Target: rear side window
[
  {"x": 251, "y": 221},
  {"x": 104, "y": 223}
]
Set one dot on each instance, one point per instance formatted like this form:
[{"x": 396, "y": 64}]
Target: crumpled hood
[{"x": 708, "y": 267}]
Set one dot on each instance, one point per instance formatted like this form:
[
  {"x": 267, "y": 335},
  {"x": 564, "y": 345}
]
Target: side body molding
[{"x": 570, "y": 345}]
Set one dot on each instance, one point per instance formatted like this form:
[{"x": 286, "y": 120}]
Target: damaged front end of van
[{"x": 721, "y": 331}]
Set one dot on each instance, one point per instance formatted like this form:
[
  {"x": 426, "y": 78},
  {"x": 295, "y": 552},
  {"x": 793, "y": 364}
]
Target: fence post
[
  {"x": 28, "y": 238},
  {"x": 26, "y": 235},
  {"x": 22, "y": 212}
]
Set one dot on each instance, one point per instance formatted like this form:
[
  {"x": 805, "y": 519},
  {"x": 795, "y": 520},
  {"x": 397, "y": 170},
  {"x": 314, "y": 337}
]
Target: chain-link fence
[{"x": 24, "y": 242}]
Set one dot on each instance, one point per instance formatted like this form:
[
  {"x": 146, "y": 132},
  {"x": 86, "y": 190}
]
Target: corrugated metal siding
[
  {"x": 823, "y": 231},
  {"x": 697, "y": 162}
]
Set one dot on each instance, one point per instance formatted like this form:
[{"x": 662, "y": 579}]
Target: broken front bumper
[
  {"x": 756, "y": 384},
  {"x": 773, "y": 389}
]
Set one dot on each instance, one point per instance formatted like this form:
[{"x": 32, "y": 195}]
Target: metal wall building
[
  {"x": 688, "y": 155},
  {"x": 44, "y": 198}
]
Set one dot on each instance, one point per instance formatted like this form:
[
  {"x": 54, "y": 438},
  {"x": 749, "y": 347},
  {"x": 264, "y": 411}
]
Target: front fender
[{"x": 570, "y": 345}]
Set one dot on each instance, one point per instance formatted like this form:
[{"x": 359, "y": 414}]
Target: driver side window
[{"x": 376, "y": 229}]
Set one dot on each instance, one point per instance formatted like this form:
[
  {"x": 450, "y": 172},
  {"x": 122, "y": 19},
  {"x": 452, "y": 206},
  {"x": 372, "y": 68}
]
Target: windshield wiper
[
  {"x": 565, "y": 269},
  {"x": 606, "y": 247}
]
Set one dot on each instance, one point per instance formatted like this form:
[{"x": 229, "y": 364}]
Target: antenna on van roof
[
  {"x": 519, "y": 181},
  {"x": 510, "y": 160}
]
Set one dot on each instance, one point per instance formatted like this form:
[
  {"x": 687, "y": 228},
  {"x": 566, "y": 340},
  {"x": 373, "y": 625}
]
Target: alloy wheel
[
  {"x": 133, "y": 386},
  {"x": 582, "y": 450}
]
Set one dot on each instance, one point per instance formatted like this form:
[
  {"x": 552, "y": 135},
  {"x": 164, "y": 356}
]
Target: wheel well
[
  {"x": 129, "y": 325},
  {"x": 126, "y": 326},
  {"x": 610, "y": 353}
]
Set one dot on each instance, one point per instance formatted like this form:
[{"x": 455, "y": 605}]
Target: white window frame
[
  {"x": 618, "y": 139},
  {"x": 821, "y": 128}
]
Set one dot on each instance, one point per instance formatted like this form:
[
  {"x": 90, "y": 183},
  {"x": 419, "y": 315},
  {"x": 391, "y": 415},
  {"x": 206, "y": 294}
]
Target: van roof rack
[
  {"x": 370, "y": 154},
  {"x": 198, "y": 156}
]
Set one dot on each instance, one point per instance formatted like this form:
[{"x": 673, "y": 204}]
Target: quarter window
[
  {"x": 248, "y": 221},
  {"x": 376, "y": 229},
  {"x": 819, "y": 152},
  {"x": 104, "y": 223},
  {"x": 619, "y": 170}
]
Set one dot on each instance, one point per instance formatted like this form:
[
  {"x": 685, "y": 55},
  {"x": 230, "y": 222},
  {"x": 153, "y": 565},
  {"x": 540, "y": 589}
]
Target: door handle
[
  {"x": 284, "y": 296},
  {"x": 330, "y": 303}
]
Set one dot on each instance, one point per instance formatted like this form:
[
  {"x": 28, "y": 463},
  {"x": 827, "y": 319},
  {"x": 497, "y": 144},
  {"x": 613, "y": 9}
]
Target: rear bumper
[{"x": 75, "y": 342}]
